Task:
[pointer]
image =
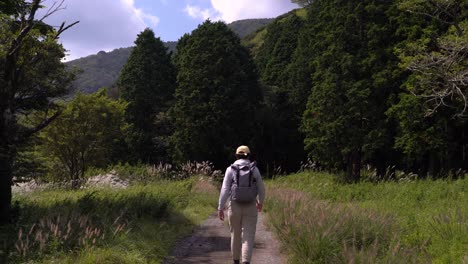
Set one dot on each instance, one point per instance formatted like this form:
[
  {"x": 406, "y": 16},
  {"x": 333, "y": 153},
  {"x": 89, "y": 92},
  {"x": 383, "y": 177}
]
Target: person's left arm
[{"x": 260, "y": 190}]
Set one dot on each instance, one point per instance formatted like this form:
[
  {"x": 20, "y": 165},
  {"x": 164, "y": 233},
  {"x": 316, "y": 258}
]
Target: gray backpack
[{"x": 244, "y": 186}]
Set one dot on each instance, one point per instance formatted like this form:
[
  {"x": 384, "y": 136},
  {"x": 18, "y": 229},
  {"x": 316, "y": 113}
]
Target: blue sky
[{"x": 110, "y": 24}]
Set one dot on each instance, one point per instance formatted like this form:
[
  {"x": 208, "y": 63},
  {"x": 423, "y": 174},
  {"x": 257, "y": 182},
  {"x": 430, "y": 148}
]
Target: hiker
[{"x": 243, "y": 187}]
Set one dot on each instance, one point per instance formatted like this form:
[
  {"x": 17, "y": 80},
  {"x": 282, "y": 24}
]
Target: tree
[
  {"x": 84, "y": 134},
  {"x": 354, "y": 75},
  {"x": 431, "y": 145},
  {"x": 285, "y": 146},
  {"x": 147, "y": 83},
  {"x": 217, "y": 96},
  {"x": 430, "y": 112},
  {"x": 440, "y": 65},
  {"x": 31, "y": 73}
]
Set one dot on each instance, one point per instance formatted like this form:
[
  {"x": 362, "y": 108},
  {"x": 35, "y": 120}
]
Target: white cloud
[
  {"x": 104, "y": 25},
  {"x": 199, "y": 13},
  {"x": 139, "y": 13},
  {"x": 242, "y": 9}
]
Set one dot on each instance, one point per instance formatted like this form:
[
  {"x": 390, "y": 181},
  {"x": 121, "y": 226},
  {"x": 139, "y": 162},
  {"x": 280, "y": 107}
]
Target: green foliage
[
  {"x": 31, "y": 74},
  {"x": 145, "y": 220},
  {"x": 87, "y": 133},
  {"x": 419, "y": 136},
  {"x": 283, "y": 144},
  {"x": 429, "y": 130},
  {"x": 217, "y": 95},
  {"x": 30, "y": 162},
  {"x": 425, "y": 214},
  {"x": 438, "y": 62},
  {"x": 147, "y": 83},
  {"x": 354, "y": 73}
]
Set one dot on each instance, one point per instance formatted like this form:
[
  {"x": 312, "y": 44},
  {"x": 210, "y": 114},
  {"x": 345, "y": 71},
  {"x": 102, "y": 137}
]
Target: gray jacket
[{"x": 229, "y": 178}]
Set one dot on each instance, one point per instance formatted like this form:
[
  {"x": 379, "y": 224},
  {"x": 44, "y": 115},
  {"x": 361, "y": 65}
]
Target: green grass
[
  {"x": 430, "y": 218},
  {"x": 139, "y": 224}
]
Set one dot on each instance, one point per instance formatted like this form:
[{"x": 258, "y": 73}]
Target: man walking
[{"x": 244, "y": 191}]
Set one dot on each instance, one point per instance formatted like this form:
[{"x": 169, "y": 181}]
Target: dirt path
[{"x": 210, "y": 243}]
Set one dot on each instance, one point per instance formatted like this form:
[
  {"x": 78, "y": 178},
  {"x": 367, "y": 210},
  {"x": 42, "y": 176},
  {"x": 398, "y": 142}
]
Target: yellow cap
[{"x": 243, "y": 150}]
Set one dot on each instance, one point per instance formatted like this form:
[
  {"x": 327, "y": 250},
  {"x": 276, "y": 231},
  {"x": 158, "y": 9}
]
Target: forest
[{"x": 365, "y": 90}]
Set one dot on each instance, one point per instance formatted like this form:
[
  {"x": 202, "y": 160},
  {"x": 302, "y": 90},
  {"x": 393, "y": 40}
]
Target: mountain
[
  {"x": 256, "y": 38},
  {"x": 103, "y": 68},
  {"x": 247, "y": 26}
]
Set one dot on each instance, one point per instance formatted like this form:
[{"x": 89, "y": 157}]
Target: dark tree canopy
[
  {"x": 217, "y": 95},
  {"x": 353, "y": 75},
  {"x": 283, "y": 143},
  {"x": 147, "y": 83}
]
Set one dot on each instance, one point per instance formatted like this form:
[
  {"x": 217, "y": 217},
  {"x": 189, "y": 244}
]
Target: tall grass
[
  {"x": 138, "y": 224},
  {"x": 143, "y": 173},
  {"x": 320, "y": 232},
  {"x": 428, "y": 219}
]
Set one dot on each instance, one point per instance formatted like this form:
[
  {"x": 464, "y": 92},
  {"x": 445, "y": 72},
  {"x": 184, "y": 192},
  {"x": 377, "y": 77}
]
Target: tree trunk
[
  {"x": 7, "y": 153},
  {"x": 5, "y": 182},
  {"x": 354, "y": 165}
]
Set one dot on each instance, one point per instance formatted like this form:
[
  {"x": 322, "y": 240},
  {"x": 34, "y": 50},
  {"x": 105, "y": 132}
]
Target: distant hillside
[
  {"x": 103, "y": 68},
  {"x": 247, "y": 26},
  {"x": 254, "y": 40}
]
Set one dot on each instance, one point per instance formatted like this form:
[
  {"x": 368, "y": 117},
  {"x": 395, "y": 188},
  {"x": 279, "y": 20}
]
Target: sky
[{"x": 109, "y": 24}]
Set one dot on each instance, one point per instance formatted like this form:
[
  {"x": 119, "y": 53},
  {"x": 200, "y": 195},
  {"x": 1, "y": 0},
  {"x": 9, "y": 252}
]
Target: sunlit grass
[
  {"x": 429, "y": 218},
  {"x": 139, "y": 224}
]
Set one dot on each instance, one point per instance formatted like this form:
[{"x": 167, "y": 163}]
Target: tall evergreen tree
[
  {"x": 354, "y": 74},
  {"x": 217, "y": 95},
  {"x": 147, "y": 83},
  {"x": 284, "y": 141}
]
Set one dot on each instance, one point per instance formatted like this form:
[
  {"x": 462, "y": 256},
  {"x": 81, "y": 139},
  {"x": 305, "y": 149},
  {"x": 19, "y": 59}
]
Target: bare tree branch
[{"x": 444, "y": 76}]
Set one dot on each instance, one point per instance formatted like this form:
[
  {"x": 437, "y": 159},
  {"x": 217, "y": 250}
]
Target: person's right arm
[{"x": 225, "y": 189}]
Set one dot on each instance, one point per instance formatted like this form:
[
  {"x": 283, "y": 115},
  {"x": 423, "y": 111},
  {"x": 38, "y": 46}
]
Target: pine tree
[
  {"x": 354, "y": 75},
  {"x": 147, "y": 83},
  {"x": 217, "y": 96},
  {"x": 284, "y": 143}
]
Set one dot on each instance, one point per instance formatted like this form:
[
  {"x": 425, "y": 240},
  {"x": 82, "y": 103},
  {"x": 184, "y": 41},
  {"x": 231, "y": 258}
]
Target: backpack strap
[
  {"x": 252, "y": 166},
  {"x": 235, "y": 167}
]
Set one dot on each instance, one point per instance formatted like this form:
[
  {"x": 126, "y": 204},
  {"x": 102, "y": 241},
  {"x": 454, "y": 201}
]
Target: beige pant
[{"x": 243, "y": 224}]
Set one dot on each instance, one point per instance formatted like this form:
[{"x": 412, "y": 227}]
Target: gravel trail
[{"x": 210, "y": 243}]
